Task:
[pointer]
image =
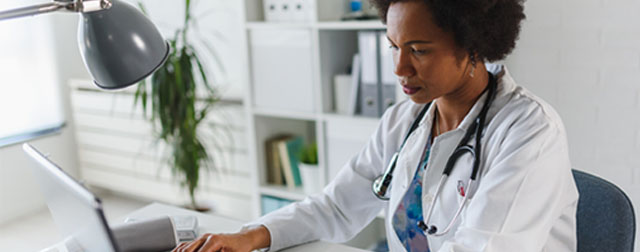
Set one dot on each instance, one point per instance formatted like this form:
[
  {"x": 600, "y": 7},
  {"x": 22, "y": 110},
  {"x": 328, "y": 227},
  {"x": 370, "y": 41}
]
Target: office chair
[{"x": 605, "y": 217}]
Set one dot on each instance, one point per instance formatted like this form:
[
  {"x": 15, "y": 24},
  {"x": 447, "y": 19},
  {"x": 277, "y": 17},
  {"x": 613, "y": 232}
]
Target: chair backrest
[{"x": 605, "y": 217}]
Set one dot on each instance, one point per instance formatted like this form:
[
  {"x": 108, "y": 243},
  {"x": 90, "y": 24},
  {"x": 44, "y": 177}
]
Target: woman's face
[{"x": 428, "y": 62}]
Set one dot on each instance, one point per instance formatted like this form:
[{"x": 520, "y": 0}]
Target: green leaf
[
  {"x": 309, "y": 154},
  {"x": 142, "y": 8},
  {"x": 203, "y": 75},
  {"x": 141, "y": 93}
]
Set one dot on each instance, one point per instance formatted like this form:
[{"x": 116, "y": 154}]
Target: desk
[{"x": 217, "y": 224}]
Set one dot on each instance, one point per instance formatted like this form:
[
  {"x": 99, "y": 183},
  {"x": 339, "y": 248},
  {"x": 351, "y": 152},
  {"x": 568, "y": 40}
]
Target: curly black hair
[{"x": 486, "y": 28}]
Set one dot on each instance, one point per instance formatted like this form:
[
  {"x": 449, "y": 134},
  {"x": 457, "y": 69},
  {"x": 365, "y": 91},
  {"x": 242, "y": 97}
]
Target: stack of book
[{"x": 282, "y": 160}]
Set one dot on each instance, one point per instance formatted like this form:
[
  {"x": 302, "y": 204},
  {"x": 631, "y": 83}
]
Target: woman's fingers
[
  {"x": 180, "y": 246},
  {"x": 194, "y": 245},
  {"x": 211, "y": 245},
  {"x": 217, "y": 242}
]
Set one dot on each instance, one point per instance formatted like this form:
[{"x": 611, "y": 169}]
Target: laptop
[{"x": 76, "y": 211}]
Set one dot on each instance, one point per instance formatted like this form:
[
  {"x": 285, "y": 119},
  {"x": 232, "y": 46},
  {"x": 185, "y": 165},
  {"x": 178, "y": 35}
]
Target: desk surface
[{"x": 217, "y": 224}]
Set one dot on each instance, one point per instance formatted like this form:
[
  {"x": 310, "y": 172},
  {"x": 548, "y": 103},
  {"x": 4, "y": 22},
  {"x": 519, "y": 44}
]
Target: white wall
[
  {"x": 583, "y": 57},
  {"x": 19, "y": 195}
]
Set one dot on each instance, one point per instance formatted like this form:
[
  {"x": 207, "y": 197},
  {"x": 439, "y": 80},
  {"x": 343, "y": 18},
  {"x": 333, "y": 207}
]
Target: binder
[
  {"x": 368, "y": 42},
  {"x": 388, "y": 78},
  {"x": 355, "y": 85}
]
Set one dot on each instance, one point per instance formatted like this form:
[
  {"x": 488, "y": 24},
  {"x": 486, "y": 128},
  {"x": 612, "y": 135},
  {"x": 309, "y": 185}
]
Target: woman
[{"x": 525, "y": 198}]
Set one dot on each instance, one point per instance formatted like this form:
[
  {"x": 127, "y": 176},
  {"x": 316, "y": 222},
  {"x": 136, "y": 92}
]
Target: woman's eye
[
  {"x": 418, "y": 51},
  {"x": 393, "y": 47}
]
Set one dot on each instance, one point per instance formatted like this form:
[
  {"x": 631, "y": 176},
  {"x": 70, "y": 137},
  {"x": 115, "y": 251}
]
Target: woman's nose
[{"x": 403, "y": 65}]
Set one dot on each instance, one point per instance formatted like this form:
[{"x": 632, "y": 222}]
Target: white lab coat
[{"x": 525, "y": 201}]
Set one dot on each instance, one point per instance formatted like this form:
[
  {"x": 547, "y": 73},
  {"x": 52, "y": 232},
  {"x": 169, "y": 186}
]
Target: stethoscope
[{"x": 381, "y": 183}]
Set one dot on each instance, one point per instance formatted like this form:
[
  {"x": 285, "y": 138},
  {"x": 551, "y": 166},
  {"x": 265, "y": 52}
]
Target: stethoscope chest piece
[{"x": 381, "y": 184}]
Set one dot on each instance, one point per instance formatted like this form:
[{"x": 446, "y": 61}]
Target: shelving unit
[{"x": 329, "y": 51}]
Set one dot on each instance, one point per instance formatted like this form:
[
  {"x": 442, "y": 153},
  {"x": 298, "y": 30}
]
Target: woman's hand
[{"x": 244, "y": 241}]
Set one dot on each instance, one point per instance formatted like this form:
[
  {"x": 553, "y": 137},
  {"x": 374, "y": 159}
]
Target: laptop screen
[{"x": 76, "y": 211}]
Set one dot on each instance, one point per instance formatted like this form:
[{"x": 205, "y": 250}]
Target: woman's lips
[{"x": 410, "y": 90}]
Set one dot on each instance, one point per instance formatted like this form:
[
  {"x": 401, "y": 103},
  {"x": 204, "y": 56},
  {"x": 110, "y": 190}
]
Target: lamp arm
[
  {"x": 70, "y": 5},
  {"x": 34, "y": 10}
]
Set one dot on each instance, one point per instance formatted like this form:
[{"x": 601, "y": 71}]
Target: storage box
[{"x": 288, "y": 10}]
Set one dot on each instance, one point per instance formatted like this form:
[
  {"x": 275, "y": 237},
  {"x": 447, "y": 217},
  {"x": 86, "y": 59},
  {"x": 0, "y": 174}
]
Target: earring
[{"x": 472, "y": 58}]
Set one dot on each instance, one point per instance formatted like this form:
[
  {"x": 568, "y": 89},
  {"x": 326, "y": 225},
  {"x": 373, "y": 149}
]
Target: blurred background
[{"x": 281, "y": 79}]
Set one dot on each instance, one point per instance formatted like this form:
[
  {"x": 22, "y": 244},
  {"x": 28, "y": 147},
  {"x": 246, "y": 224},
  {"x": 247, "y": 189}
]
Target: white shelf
[
  {"x": 283, "y": 192},
  {"x": 334, "y": 116},
  {"x": 276, "y": 25},
  {"x": 351, "y": 25},
  {"x": 325, "y": 25},
  {"x": 285, "y": 114}
]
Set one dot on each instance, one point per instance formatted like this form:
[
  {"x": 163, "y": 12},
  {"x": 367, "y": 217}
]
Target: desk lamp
[{"x": 118, "y": 44}]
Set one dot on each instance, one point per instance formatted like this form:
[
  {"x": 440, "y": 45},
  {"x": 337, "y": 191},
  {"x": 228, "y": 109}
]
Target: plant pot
[
  {"x": 311, "y": 179},
  {"x": 199, "y": 208},
  {"x": 202, "y": 206}
]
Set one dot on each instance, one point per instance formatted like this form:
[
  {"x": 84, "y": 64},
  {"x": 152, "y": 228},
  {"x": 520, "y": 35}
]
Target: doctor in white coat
[{"x": 525, "y": 198}]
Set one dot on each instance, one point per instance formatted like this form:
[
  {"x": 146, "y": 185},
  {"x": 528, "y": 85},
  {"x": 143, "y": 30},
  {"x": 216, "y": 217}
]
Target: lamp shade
[{"x": 120, "y": 46}]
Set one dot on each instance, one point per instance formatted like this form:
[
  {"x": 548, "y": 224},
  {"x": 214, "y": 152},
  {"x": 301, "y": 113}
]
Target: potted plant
[
  {"x": 180, "y": 96},
  {"x": 309, "y": 170}
]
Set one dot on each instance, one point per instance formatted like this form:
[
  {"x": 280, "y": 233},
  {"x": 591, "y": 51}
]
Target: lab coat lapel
[
  {"x": 405, "y": 169},
  {"x": 408, "y": 160}
]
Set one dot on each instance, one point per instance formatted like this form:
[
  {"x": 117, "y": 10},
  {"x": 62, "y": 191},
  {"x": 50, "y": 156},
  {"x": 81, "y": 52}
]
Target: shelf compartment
[
  {"x": 335, "y": 60},
  {"x": 282, "y": 69},
  {"x": 346, "y": 137},
  {"x": 268, "y": 127}
]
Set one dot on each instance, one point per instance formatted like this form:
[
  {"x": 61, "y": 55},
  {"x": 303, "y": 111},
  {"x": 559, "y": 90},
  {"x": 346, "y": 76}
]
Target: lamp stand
[{"x": 73, "y": 6}]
